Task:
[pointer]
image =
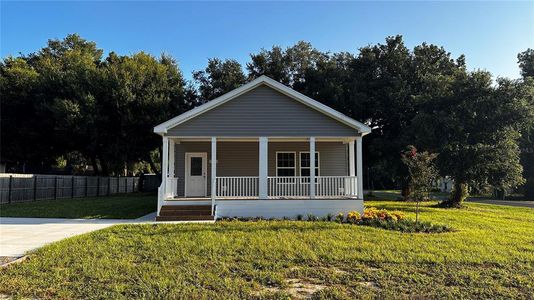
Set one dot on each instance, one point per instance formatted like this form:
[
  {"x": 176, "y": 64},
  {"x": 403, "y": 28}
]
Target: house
[
  {"x": 247, "y": 154},
  {"x": 444, "y": 184}
]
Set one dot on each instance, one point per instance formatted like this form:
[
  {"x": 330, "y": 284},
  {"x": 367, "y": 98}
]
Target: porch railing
[
  {"x": 172, "y": 186},
  {"x": 278, "y": 187},
  {"x": 243, "y": 186},
  {"x": 299, "y": 186},
  {"x": 336, "y": 186},
  {"x": 281, "y": 187}
]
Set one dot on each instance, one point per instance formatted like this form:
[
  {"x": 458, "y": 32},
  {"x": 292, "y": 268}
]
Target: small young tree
[{"x": 422, "y": 173}]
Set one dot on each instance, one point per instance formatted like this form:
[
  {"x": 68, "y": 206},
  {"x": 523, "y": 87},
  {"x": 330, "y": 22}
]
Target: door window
[{"x": 196, "y": 166}]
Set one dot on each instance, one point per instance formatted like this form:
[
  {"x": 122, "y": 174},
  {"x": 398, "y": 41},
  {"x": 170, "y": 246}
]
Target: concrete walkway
[
  {"x": 529, "y": 204},
  {"x": 19, "y": 235}
]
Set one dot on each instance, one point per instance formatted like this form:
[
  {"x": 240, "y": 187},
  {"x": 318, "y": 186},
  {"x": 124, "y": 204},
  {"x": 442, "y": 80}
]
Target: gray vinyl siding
[
  {"x": 241, "y": 158},
  {"x": 262, "y": 111}
]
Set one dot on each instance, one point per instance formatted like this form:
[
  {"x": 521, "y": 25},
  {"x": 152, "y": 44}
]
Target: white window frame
[
  {"x": 294, "y": 163},
  {"x": 318, "y": 173}
]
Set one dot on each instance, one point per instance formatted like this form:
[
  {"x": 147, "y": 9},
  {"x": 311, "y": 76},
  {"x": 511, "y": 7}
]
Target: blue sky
[{"x": 490, "y": 34}]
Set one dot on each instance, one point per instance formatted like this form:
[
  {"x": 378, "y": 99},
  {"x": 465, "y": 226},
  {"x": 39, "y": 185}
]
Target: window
[
  {"x": 196, "y": 166},
  {"x": 285, "y": 164},
  {"x": 305, "y": 164}
]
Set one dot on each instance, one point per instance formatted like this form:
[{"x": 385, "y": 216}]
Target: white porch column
[
  {"x": 263, "y": 161},
  {"x": 352, "y": 165},
  {"x": 162, "y": 190},
  {"x": 213, "y": 172},
  {"x": 170, "y": 174},
  {"x": 312, "y": 167},
  {"x": 359, "y": 167},
  {"x": 165, "y": 166}
]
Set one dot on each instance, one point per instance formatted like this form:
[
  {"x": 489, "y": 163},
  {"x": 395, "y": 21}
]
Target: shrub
[
  {"x": 312, "y": 217},
  {"x": 340, "y": 217},
  {"x": 372, "y": 213},
  {"x": 330, "y": 217},
  {"x": 353, "y": 217}
]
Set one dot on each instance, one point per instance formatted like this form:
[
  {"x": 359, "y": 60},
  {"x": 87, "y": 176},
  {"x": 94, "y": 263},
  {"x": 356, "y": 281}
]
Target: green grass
[
  {"x": 125, "y": 206},
  {"x": 490, "y": 255}
]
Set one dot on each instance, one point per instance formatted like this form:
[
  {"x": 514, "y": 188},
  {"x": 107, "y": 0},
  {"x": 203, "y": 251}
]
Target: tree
[
  {"x": 526, "y": 64},
  {"x": 475, "y": 128},
  {"x": 289, "y": 66},
  {"x": 382, "y": 97},
  {"x": 271, "y": 63},
  {"x": 60, "y": 93},
  {"x": 138, "y": 91},
  {"x": 67, "y": 102},
  {"x": 218, "y": 78},
  {"x": 19, "y": 115},
  {"x": 421, "y": 174}
]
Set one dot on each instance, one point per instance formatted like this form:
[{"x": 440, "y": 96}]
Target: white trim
[
  {"x": 294, "y": 163},
  {"x": 165, "y": 126},
  {"x": 318, "y": 162},
  {"x": 187, "y": 163}
]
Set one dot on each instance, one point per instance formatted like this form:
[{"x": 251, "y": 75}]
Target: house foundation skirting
[{"x": 286, "y": 208}]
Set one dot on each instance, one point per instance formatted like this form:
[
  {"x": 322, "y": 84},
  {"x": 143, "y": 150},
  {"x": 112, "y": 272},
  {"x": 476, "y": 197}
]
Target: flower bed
[
  {"x": 380, "y": 218},
  {"x": 392, "y": 220}
]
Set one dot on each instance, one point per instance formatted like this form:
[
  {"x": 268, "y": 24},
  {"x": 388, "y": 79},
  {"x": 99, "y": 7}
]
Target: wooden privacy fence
[{"x": 31, "y": 187}]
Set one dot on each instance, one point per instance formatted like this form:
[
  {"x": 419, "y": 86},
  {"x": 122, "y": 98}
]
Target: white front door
[{"x": 196, "y": 174}]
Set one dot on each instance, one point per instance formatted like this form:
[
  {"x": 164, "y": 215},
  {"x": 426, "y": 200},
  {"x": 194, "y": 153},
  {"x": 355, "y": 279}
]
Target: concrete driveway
[{"x": 19, "y": 235}]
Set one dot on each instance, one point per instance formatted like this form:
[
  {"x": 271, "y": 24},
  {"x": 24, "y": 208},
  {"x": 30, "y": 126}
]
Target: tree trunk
[
  {"x": 406, "y": 192},
  {"x": 95, "y": 165},
  {"x": 104, "y": 166},
  {"x": 458, "y": 195}
]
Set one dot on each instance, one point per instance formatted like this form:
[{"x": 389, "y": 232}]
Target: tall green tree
[
  {"x": 526, "y": 64},
  {"x": 65, "y": 98},
  {"x": 475, "y": 129},
  {"x": 19, "y": 115},
  {"x": 58, "y": 105},
  {"x": 288, "y": 66},
  {"x": 218, "y": 78},
  {"x": 138, "y": 91}
]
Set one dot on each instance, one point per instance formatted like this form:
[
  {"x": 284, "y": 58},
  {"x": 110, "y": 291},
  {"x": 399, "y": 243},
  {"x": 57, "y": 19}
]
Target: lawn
[
  {"x": 124, "y": 206},
  {"x": 490, "y": 255}
]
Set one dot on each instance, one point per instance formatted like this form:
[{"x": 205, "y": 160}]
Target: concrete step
[
  {"x": 184, "y": 218},
  {"x": 185, "y": 212},
  {"x": 186, "y": 207}
]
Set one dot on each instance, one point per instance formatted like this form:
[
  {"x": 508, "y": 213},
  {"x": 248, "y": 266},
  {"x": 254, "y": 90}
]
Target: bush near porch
[{"x": 490, "y": 255}]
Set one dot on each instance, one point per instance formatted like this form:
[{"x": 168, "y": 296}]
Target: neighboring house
[
  {"x": 444, "y": 184},
  {"x": 247, "y": 154}
]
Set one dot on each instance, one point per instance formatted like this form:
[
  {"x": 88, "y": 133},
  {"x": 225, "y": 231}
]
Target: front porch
[{"x": 262, "y": 176}]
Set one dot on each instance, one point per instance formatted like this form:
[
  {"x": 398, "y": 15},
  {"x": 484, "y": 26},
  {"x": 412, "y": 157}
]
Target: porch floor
[{"x": 257, "y": 198}]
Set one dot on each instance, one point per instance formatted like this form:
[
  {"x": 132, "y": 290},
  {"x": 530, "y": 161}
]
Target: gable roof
[{"x": 262, "y": 80}]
